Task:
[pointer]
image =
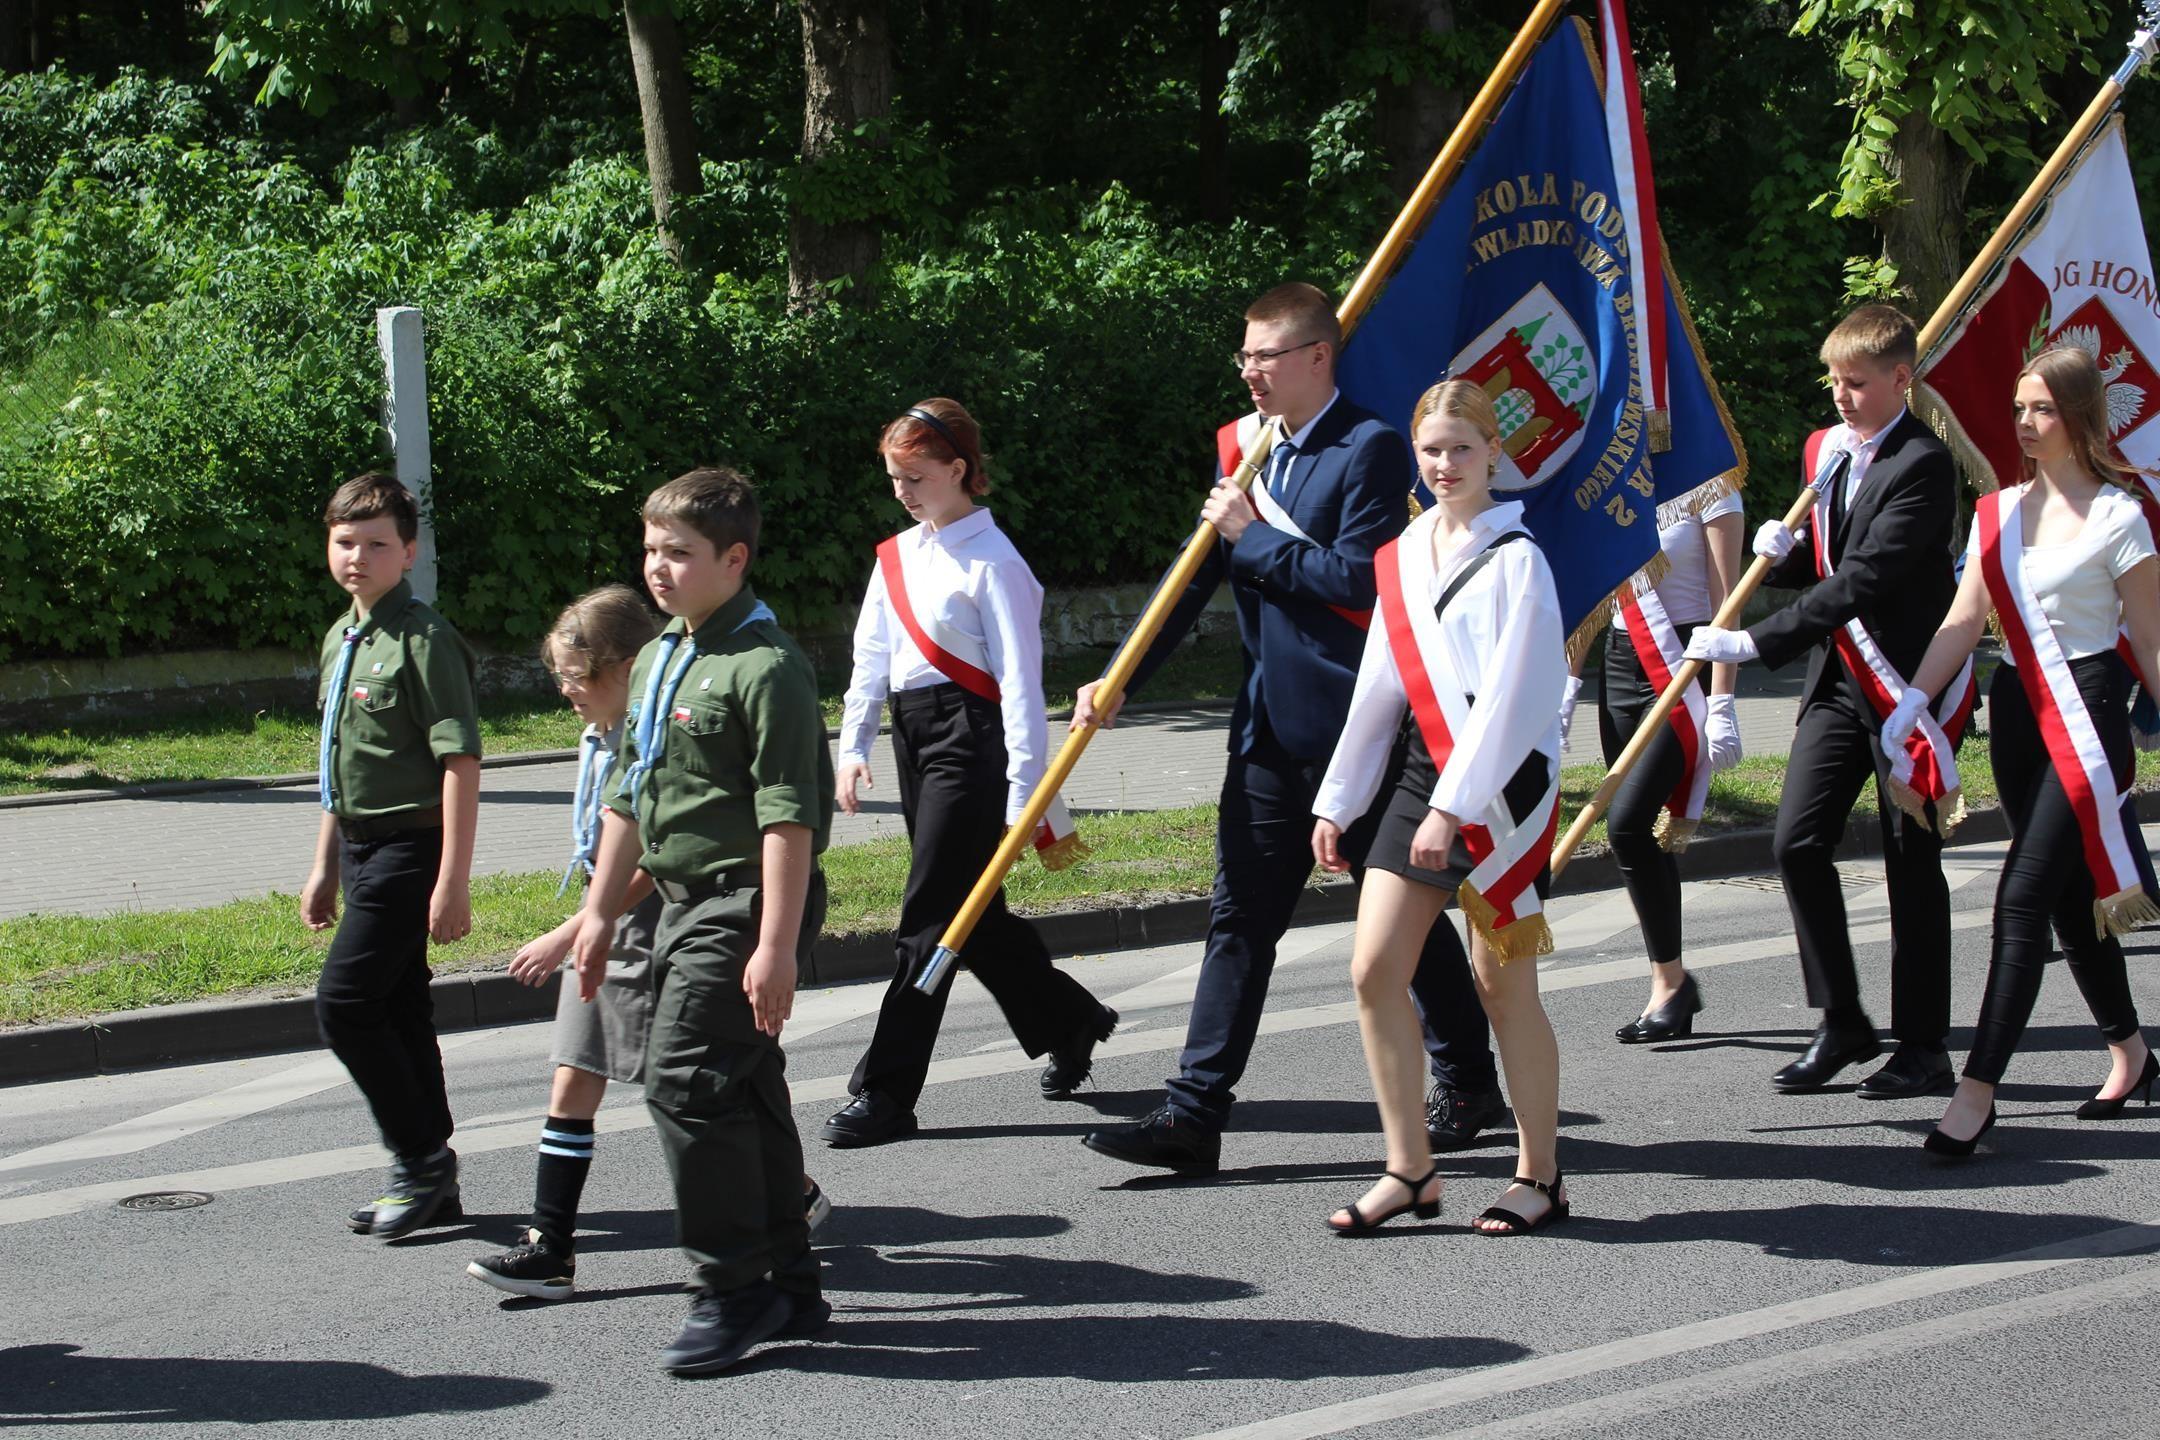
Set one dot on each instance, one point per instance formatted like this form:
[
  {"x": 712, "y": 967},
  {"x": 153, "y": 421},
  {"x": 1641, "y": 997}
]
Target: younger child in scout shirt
[
  {"x": 723, "y": 794},
  {"x": 399, "y": 775}
]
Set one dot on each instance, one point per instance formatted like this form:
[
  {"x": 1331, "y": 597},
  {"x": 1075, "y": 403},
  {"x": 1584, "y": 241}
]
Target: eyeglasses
[
  {"x": 1261, "y": 359},
  {"x": 564, "y": 679}
]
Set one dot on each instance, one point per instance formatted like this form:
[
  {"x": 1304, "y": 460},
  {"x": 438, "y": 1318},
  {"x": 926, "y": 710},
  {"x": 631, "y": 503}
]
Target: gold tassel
[
  {"x": 2124, "y": 913},
  {"x": 1673, "y": 832},
  {"x": 1660, "y": 431},
  {"x": 1067, "y": 851},
  {"x": 1530, "y": 935},
  {"x": 1949, "y": 811}
]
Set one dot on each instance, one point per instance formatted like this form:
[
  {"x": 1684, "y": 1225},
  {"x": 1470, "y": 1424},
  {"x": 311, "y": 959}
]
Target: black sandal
[
  {"x": 1516, "y": 1225},
  {"x": 1423, "y": 1209}
]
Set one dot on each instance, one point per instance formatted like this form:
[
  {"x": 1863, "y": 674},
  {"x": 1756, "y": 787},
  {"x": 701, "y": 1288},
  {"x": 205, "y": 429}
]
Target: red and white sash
[
  {"x": 961, "y": 659},
  {"x": 1500, "y": 894},
  {"x": 1231, "y": 443},
  {"x": 2073, "y": 743},
  {"x": 1657, "y": 649},
  {"x": 1923, "y": 773}
]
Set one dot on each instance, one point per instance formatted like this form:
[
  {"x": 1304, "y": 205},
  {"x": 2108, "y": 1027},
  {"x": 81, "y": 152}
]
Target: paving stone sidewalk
[{"x": 186, "y": 851}]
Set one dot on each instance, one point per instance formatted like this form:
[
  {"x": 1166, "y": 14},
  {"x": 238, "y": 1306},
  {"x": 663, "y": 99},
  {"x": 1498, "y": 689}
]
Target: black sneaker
[
  {"x": 536, "y": 1267},
  {"x": 450, "y": 1212},
  {"x": 1072, "y": 1063},
  {"x": 807, "y": 1316},
  {"x": 417, "y": 1190},
  {"x": 722, "y": 1328},
  {"x": 817, "y": 1209},
  {"x": 1454, "y": 1117}
]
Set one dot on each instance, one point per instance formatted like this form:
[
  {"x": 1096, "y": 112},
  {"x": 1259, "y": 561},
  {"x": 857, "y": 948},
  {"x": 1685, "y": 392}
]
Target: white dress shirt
[
  {"x": 1844, "y": 437},
  {"x": 969, "y": 577},
  {"x": 2075, "y": 580},
  {"x": 1501, "y": 642}
]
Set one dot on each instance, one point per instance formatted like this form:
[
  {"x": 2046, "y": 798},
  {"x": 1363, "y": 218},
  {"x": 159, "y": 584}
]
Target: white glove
[
  {"x": 1723, "y": 735},
  {"x": 1900, "y": 725},
  {"x": 1568, "y": 698},
  {"x": 1774, "y": 541},
  {"x": 1721, "y": 647}
]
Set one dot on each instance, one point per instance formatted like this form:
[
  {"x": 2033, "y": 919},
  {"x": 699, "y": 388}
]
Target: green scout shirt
[
  {"x": 408, "y": 707},
  {"x": 742, "y": 749}
]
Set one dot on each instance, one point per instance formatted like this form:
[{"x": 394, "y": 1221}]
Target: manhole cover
[
  {"x": 1776, "y": 884},
  {"x": 166, "y": 1200}
]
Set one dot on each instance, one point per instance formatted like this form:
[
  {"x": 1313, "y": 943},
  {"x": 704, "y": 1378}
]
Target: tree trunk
[
  {"x": 847, "y": 80},
  {"x": 1925, "y": 236},
  {"x": 663, "y": 87},
  {"x": 1416, "y": 117},
  {"x": 14, "y": 36},
  {"x": 1218, "y": 52}
]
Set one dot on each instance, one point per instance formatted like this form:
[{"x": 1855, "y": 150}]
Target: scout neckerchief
[
  {"x": 1657, "y": 649},
  {"x": 2073, "y": 743},
  {"x": 1231, "y": 442},
  {"x": 962, "y": 659},
  {"x": 661, "y": 683},
  {"x": 333, "y": 711},
  {"x": 1925, "y": 774},
  {"x": 594, "y": 753},
  {"x": 1500, "y": 894}
]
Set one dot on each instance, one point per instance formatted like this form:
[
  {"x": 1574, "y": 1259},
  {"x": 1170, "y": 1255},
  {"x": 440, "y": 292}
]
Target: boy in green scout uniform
[
  {"x": 722, "y": 791},
  {"x": 399, "y": 778}
]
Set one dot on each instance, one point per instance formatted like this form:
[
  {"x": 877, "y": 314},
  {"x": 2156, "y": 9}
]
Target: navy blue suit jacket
[{"x": 1349, "y": 490}]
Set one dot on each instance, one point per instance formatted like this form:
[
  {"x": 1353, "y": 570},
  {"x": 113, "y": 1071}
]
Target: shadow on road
[{"x": 50, "y": 1384}]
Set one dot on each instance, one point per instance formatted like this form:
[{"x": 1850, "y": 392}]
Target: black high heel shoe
[
  {"x": 1673, "y": 1020},
  {"x": 2098, "y": 1109},
  {"x": 1423, "y": 1209},
  {"x": 1938, "y": 1143}
]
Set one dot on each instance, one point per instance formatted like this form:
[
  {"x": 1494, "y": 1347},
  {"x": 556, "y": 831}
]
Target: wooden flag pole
[
  {"x": 1438, "y": 176},
  {"x": 2142, "y": 48}
]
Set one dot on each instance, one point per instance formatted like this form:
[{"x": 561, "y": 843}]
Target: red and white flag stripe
[
  {"x": 1638, "y": 197},
  {"x": 1657, "y": 648}
]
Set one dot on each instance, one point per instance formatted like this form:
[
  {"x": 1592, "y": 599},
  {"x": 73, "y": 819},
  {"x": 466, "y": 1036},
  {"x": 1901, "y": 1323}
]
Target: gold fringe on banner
[
  {"x": 2124, "y": 913},
  {"x": 1949, "y": 812},
  {"x": 1673, "y": 832},
  {"x": 1063, "y": 853},
  {"x": 1529, "y": 936}
]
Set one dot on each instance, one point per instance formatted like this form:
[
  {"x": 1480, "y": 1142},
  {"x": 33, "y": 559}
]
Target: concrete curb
[
  {"x": 169, "y": 789},
  {"x": 209, "y": 1030}
]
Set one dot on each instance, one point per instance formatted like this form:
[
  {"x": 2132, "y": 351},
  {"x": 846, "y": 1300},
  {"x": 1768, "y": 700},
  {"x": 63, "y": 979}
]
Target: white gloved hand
[
  {"x": 1568, "y": 697},
  {"x": 1774, "y": 541},
  {"x": 1723, "y": 737},
  {"x": 1900, "y": 725},
  {"x": 1721, "y": 647}
]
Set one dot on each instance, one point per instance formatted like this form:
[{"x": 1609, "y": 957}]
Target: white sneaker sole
[{"x": 530, "y": 1289}]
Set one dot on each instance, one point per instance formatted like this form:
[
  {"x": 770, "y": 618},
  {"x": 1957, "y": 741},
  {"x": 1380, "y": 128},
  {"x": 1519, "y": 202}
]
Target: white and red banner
[
  {"x": 962, "y": 660},
  {"x": 1658, "y": 650},
  {"x": 2082, "y": 276},
  {"x": 1636, "y": 192},
  {"x": 2066, "y": 727}
]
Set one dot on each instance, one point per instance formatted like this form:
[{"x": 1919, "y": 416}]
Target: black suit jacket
[{"x": 1894, "y": 572}]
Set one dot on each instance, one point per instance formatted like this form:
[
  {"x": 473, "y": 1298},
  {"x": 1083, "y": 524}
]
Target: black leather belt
[
  {"x": 742, "y": 877},
  {"x": 382, "y": 827}
]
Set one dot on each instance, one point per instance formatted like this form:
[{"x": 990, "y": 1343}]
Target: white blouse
[
  {"x": 1501, "y": 642},
  {"x": 1685, "y": 590},
  {"x": 2076, "y": 579},
  {"x": 971, "y": 579}
]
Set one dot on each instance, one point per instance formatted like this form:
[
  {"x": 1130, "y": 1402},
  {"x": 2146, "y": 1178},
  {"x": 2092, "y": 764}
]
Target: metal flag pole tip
[{"x": 935, "y": 969}]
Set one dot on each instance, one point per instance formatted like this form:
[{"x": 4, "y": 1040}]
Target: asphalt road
[{"x": 1740, "y": 1263}]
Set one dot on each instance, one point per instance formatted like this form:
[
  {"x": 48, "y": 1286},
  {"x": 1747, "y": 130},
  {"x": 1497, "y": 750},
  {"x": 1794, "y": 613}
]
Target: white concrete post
[{"x": 405, "y": 420}]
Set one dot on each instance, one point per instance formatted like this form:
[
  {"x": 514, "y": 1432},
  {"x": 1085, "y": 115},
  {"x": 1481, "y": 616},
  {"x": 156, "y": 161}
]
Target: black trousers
[
  {"x": 717, "y": 1089},
  {"x": 1836, "y": 747},
  {"x": 1649, "y": 871},
  {"x": 2045, "y": 879},
  {"x": 1263, "y": 857},
  {"x": 372, "y": 1003},
  {"x": 949, "y": 746}
]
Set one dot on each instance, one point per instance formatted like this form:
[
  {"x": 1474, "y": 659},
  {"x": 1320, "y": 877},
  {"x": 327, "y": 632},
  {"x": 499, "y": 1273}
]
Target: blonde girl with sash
[
  {"x": 950, "y": 636},
  {"x": 2066, "y": 562},
  {"x": 1454, "y": 733}
]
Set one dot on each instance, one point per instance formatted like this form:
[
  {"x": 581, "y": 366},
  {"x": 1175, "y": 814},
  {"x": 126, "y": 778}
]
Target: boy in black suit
[{"x": 1889, "y": 513}]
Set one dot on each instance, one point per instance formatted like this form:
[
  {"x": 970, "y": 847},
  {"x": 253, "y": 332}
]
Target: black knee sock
[{"x": 566, "y": 1148}]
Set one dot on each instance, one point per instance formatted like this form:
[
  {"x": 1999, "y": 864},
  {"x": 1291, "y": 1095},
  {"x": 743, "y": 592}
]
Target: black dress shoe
[
  {"x": 722, "y": 1328},
  {"x": 1673, "y": 1020},
  {"x": 1454, "y": 1117},
  {"x": 1911, "y": 1071},
  {"x": 1072, "y": 1063},
  {"x": 1833, "y": 1048},
  {"x": 868, "y": 1119},
  {"x": 1164, "y": 1139}
]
